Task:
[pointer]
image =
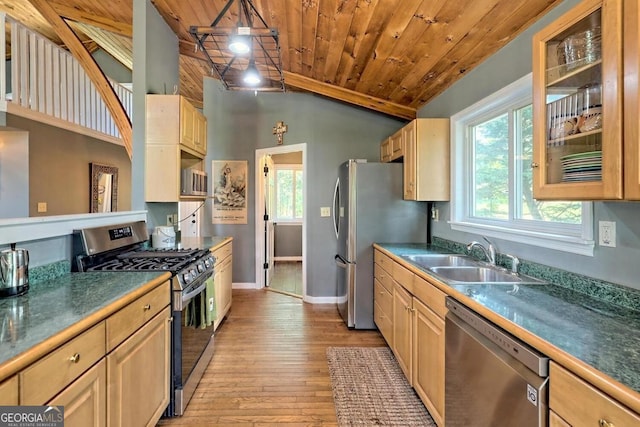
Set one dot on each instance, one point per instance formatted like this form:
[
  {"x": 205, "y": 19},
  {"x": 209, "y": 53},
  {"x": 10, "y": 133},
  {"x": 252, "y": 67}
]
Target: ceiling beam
[
  {"x": 299, "y": 81},
  {"x": 87, "y": 62},
  {"x": 73, "y": 14}
]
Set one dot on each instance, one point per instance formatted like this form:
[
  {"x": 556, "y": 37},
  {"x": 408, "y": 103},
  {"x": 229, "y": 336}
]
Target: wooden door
[{"x": 402, "y": 329}]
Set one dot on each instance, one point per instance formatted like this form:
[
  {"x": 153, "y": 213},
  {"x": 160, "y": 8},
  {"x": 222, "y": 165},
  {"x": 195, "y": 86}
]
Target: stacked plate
[{"x": 582, "y": 167}]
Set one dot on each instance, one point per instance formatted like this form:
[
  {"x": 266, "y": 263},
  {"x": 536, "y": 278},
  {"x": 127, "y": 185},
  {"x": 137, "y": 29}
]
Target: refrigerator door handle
[
  {"x": 340, "y": 261},
  {"x": 336, "y": 207}
]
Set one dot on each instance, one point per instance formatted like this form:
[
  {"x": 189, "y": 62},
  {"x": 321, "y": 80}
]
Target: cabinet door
[
  {"x": 402, "y": 332},
  {"x": 187, "y": 125},
  {"x": 396, "y": 142},
  {"x": 200, "y": 133},
  {"x": 577, "y": 104},
  {"x": 409, "y": 137},
  {"x": 385, "y": 151},
  {"x": 428, "y": 359},
  {"x": 631, "y": 100},
  {"x": 85, "y": 400},
  {"x": 162, "y": 173},
  {"x": 227, "y": 284},
  {"x": 431, "y": 159},
  {"x": 9, "y": 391},
  {"x": 138, "y": 372}
]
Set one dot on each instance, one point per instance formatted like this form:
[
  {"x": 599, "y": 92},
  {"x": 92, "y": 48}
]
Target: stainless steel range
[{"x": 124, "y": 247}]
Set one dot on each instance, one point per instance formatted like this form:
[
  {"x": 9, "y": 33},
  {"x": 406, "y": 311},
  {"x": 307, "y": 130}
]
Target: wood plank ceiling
[{"x": 392, "y": 56}]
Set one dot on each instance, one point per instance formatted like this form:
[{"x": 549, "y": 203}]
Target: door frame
[{"x": 259, "y": 211}]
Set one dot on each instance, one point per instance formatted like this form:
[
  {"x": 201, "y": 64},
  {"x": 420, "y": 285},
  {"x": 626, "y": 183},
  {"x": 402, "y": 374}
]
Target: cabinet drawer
[
  {"x": 130, "y": 318},
  {"x": 383, "y": 277},
  {"x": 403, "y": 276},
  {"x": 581, "y": 404},
  {"x": 430, "y": 296},
  {"x": 48, "y": 376},
  {"x": 221, "y": 253},
  {"x": 9, "y": 391},
  {"x": 383, "y": 261},
  {"x": 384, "y": 323},
  {"x": 384, "y": 298}
]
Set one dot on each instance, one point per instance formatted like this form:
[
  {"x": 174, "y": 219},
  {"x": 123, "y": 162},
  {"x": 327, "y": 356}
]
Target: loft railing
[{"x": 45, "y": 80}]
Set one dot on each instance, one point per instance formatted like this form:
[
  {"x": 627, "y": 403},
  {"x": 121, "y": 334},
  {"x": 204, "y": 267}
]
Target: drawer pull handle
[
  {"x": 605, "y": 423},
  {"x": 75, "y": 358},
  {"x": 147, "y": 307}
]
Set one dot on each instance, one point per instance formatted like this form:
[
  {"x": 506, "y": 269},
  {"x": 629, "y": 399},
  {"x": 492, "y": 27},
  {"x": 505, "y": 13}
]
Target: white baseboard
[
  {"x": 246, "y": 285},
  {"x": 320, "y": 300}
]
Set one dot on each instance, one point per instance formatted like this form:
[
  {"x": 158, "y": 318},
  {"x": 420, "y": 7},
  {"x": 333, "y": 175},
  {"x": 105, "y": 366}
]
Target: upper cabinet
[
  {"x": 171, "y": 119},
  {"x": 426, "y": 160},
  {"x": 578, "y": 105},
  {"x": 176, "y": 139},
  {"x": 423, "y": 147}
]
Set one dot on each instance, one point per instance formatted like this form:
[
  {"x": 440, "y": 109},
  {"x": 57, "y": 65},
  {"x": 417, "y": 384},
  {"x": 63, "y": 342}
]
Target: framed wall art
[{"x": 229, "y": 191}]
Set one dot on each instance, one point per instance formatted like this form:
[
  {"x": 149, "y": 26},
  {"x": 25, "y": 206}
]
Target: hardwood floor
[
  {"x": 287, "y": 278},
  {"x": 269, "y": 366}
]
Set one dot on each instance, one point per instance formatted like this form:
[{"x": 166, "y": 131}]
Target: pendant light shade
[
  {"x": 251, "y": 75},
  {"x": 240, "y": 43}
]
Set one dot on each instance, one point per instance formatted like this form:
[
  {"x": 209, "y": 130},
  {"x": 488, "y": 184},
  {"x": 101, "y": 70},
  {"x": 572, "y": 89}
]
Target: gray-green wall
[
  {"x": 241, "y": 122},
  {"x": 619, "y": 265}
]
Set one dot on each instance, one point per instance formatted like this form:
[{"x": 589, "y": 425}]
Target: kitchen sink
[
  {"x": 440, "y": 260},
  {"x": 481, "y": 274}
]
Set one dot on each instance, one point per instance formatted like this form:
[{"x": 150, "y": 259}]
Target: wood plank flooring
[{"x": 269, "y": 365}]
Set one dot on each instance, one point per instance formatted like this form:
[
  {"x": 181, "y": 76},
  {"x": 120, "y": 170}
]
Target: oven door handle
[{"x": 189, "y": 295}]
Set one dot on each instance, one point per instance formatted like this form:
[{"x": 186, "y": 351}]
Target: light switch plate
[
  {"x": 42, "y": 207},
  {"x": 325, "y": 211},
  {"x": 607, "y": 233}
]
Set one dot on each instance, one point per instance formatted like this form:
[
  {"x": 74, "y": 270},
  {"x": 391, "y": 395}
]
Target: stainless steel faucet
[
  {"x": 515, "y": 263},
  {"x": 489, "y": 252}
]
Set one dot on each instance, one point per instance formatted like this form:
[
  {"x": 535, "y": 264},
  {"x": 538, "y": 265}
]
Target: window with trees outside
[
  {"x": 493, "y": 184},
  {"x": 288, "y": 198}
]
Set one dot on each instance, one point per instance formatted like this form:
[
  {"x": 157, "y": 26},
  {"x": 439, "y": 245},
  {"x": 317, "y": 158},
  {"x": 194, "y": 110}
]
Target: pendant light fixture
[{"x": 244, "y": 56}]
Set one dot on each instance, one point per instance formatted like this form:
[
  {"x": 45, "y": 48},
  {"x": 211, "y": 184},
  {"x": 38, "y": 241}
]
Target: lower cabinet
[
  {"x": 115, "y": 373},
  {"x": 577, "y": 403},
  {"x": 402, "y": 329},
  {"x": 222, "y": 280},
  {"x": 9, "y": 391},
  {"x": 428, "y": 359},
  {"x": 138, "y": 372},
  {"x": 85, "y": 400}
]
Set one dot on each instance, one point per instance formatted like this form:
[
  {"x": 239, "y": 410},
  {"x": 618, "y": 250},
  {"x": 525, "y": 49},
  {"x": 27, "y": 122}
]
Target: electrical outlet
[
  {"x": 42, "y": 207},
  {"x": 170, "y": 219},
  {"x": 607, "y": 233},
  {"x": 435, "y": 214}
]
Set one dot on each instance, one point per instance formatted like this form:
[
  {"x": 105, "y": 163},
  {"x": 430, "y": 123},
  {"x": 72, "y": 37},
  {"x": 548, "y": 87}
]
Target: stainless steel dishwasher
[{"x": 492, "y": 379}]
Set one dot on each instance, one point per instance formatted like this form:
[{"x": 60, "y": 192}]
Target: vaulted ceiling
[{"x": 391, "y": 56}]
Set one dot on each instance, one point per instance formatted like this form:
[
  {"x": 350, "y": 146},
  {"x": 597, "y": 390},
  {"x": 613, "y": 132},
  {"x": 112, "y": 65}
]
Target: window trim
[{"x": 554, "y": 236}]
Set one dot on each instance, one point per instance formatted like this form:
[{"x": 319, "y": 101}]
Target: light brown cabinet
[
  {"x": 383, "y": 295},
  {"x": 578, "y": 403},
  {"x": 176, "y": 139},
  {"x": 9, "y": 391},
  {"x": 222, "y": 281},
  {"x": 138, "y": 375},
  {"x": 85, "y": 400},
  {"x": 115, "y": 373},
  {"x": 392, "y": 148},
  {"x": 402, "y": 330},
  {"x": 578, "y": 105},
  {"x": 429, "y": 346}
]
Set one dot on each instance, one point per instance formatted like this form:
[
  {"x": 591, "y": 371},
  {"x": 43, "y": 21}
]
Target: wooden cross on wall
[{"x": 280, "y": 129}]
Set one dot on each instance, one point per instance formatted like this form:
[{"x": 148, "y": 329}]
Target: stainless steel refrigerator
[{"x": 368, "y": 208}]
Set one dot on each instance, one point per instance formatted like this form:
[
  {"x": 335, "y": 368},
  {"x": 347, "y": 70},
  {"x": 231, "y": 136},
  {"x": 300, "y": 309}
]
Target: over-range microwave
[{"x": 193, "y": 182}]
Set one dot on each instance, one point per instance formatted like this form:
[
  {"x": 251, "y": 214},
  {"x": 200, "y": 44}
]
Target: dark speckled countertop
[
  {"x": 58, "y": 299},
  {"x": 604, "y": 335},
  {"x": 53, "y": 305}
]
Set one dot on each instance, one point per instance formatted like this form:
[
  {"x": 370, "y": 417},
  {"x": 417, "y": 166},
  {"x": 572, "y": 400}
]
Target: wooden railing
[{"x": 47, "y": 80}]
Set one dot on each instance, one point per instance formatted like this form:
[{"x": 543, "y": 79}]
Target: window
[
  {"x": 288, "y": 198},
  {"x": 493, "y": 146}
]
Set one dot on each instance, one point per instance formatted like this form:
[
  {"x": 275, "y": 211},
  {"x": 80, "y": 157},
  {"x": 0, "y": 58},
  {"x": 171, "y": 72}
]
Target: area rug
[{"x": 369, "y": 389}]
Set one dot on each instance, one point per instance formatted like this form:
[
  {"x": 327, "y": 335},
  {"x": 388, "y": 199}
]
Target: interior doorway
[{"x": 281, "y": 219}]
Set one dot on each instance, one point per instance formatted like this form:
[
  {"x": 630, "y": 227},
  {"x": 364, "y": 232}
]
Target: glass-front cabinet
[{"x": 577, "y": 99}]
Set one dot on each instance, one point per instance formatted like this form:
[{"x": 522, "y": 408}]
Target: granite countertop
[
  {"x": 56, "y": 304},
  {"x": 601, "y": 334},
  {"x": 58, "y": 299}
]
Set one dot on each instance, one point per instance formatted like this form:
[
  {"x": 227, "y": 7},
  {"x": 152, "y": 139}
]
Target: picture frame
[
  {"x": 103, "y": 193},
  {"x": 230, "y": 189}
]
